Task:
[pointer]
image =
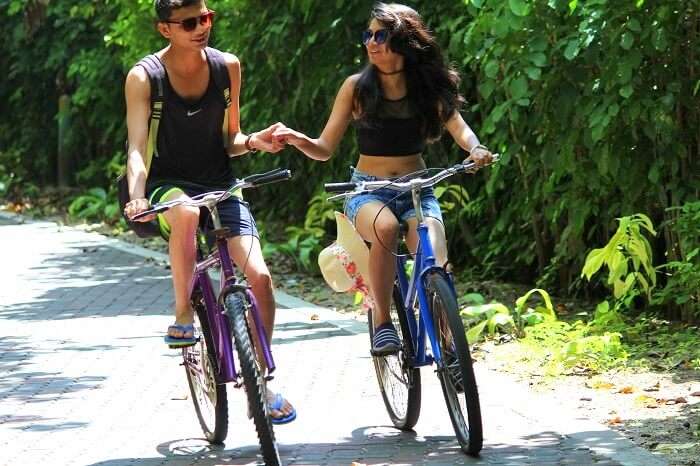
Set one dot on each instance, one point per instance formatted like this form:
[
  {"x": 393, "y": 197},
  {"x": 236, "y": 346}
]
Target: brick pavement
[{"x": 85, "y": 378}]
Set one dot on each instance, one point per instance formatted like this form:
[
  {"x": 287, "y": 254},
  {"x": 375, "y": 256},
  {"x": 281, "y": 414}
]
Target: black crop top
[{"x": 395, "y": 132}]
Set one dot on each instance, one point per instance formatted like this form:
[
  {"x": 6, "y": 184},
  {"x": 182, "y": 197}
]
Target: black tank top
[
  {"x": 190, "y": 143},
  {"x": 396, "y": 131}
]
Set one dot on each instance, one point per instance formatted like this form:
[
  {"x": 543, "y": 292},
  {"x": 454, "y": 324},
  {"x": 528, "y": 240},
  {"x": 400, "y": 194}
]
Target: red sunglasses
[{"x": 190, "y": 24}]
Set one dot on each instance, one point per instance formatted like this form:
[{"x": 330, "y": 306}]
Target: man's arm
[
  {"x": 137, "y": 91},
  {"x": 261, "y": 140}
]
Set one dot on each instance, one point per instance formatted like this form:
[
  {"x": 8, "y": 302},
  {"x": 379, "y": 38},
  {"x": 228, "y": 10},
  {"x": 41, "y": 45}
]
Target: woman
[{"x": 404, "y": 98}]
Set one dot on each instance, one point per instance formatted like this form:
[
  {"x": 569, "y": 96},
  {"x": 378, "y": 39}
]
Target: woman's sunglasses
[
  {"x": 190, "y": 24},
  {"x": 380, "y": 36}
]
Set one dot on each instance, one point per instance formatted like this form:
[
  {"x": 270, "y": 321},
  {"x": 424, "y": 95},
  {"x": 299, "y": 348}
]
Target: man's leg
[
  {"x": 247, "y": 254},
  {"x": 183, "y": 221}
]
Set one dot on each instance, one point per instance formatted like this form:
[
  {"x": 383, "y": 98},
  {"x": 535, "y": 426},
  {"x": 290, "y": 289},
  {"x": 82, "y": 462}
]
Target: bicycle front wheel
[
  {"x": 455, "y": 371},
  {"x": 252, "y": 377},
  {"x": 398, "y": 380},
  {"x": 209, "y": 398}
]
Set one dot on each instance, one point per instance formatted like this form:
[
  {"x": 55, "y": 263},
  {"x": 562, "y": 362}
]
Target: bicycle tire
[
  {"x": 456, "y": 372},
  {"x": 209, "y": 398},
  {"x": 399, "y": 382},
  {"x": 252, "y": 377}
]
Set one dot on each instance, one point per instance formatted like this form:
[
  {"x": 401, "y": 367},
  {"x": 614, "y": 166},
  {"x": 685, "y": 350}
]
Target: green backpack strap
[
  {"x": 222, "y": 81},
  {"x": 157, "y": 76}
]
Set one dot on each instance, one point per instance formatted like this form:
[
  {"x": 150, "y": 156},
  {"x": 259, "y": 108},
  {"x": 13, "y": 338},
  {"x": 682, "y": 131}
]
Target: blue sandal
[
  {"x": 180, "y": 342},
  {"x": 277, "y": 404}
]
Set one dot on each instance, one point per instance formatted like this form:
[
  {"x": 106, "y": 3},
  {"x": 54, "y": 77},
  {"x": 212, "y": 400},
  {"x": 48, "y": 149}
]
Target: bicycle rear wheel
[
  {"x": 209, "y": 398},
  {"x": 398, "y": 380},
  {"x": 455, "y": 372},
  {"x": 252, "y": 376}
]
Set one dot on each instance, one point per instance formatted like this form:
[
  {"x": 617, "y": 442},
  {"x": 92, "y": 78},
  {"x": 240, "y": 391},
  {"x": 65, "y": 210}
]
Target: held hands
[
  {"x": 136, "y": 206},
  {"x": 264, "y": 140},
  {"x": 288, "y": 136},
  {"x": 480, "y": 155}
]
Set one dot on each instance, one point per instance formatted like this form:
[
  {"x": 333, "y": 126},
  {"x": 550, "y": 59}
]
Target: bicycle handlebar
[
  {"x": 211, "y": 198},
  {"x": 352, "y": 189}
]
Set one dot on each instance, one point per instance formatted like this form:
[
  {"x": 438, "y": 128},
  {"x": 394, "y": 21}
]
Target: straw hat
[{"x": 345, "y": 263}]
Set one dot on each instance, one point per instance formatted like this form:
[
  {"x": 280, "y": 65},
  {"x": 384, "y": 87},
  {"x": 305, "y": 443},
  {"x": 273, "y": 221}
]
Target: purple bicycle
[{"x": 222, "y": 324}]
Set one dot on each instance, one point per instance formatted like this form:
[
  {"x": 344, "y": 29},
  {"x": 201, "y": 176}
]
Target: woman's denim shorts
[{"x": 400, "y": 204}]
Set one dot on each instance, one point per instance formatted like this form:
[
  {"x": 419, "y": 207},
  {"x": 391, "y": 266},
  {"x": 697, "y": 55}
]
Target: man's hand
[
  {"x": 136, "y": 206},
  {"x": 480, "y": 155},
  {"x": 264, "y": 141}
]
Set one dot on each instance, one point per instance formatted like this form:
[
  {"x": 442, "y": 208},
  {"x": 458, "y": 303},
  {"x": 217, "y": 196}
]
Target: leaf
[
  {"x": 572, "y": 49},
  {"x": 519, "y": 7},
  {"x": 491, "y": 69},
  {"x": 646, "y": 401},
  {"x": 627, "y": 390},
  {"x": 614, "y": 420},
  {"x": 499, "y": 319},
  {"x": 594, "y": 261},
  {"x": 474, "y": 333},
  {"x": 475, "y": 298},
  {"x": 626, "y": 91},
  {"x": 627, "y": 40},
  {"x": 518, "y": 88},
  {"x": 533, "y": 73}
]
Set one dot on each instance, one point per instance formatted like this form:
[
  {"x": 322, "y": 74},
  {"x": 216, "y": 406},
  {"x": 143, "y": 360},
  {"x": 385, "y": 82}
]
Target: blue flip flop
[
  {"x": 277, "y": 406},
  {"x": 180, "y": 342}
]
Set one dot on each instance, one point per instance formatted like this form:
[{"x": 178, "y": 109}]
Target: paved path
[{"x": 86, "y": 380}]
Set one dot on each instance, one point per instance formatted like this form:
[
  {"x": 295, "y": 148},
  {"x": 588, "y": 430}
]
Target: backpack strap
[
  {"x": 222, "y": 80},
  {"x": 156, "y": 75}
]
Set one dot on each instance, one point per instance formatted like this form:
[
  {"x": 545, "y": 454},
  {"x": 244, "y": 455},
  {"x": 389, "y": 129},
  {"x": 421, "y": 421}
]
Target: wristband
[{"x": 247, "y": 144}]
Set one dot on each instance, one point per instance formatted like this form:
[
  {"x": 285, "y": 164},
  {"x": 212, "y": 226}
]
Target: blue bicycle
[{"x": 424, "y": 310}]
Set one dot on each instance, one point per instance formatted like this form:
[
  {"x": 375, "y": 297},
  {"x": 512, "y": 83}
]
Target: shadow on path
[{"x": 377, "y": 445}]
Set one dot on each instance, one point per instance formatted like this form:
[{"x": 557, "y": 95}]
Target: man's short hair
[{"x": 164, "y": 8}]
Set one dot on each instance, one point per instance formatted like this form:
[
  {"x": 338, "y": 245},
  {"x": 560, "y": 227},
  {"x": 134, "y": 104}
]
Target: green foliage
[
  {"x": 494, "y": 316},
  {"x": 593, "y": 106},
  {"x": 95, "y": 205},
  {"x": 682, "y": 287},
  {"x": 628, "y": 257},
  {"x": 302, "y": 244}
]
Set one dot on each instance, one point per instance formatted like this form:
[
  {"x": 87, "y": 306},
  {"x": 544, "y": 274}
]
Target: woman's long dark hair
[{"x": 432, "y": 84}]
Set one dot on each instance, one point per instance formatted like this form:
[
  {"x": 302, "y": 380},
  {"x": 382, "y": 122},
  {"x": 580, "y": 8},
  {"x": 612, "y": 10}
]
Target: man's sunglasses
[
  {"x": 190, "y": 24},
  {"x": 380, "y": 36}
]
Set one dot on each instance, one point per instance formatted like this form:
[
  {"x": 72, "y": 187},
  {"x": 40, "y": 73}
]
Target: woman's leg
[{"x": 383, "y": 234}]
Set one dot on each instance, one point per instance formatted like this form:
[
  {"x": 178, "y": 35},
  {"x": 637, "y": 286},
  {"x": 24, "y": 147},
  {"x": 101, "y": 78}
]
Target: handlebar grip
[
  {"x": 339, "y": 187},
  {"x": 278, "y": 174}
]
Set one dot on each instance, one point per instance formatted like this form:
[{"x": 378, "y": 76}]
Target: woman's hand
[
  {"x": 264, "y": 140},
  {"x": 480, "y": 155},
  {"x": 136, "y": 206},
  {"x": 289, "y": 136}
]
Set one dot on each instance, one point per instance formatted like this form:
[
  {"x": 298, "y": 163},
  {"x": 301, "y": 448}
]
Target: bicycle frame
[
  {"x": 414, "y": 286},
  {"x": 216, "y": 317}
]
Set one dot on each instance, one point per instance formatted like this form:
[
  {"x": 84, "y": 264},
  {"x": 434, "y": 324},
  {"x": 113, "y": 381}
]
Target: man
[{"x": 190, "y": 153}]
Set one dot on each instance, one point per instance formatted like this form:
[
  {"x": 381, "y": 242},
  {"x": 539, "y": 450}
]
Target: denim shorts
[
  {"x": 233, "y": 212},
  {"x": 401, "y": 206}
]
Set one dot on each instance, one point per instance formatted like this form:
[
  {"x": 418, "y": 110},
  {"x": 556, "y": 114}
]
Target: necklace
[{"x": 390, "y": 72}]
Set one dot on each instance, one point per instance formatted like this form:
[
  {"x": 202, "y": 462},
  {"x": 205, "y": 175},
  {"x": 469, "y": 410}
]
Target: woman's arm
[
  {"x": 322, "y": 147},
  {"x": 467, "y": 140}
]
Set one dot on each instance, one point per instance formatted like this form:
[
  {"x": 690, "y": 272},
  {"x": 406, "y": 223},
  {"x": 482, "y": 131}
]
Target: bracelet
[
  {"x": 247, "y": 144},
  {"x": 479, "y": 146}
]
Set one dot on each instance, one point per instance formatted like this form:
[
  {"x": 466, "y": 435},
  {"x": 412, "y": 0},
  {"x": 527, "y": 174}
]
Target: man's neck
[{"x": 184, "y": 61}]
